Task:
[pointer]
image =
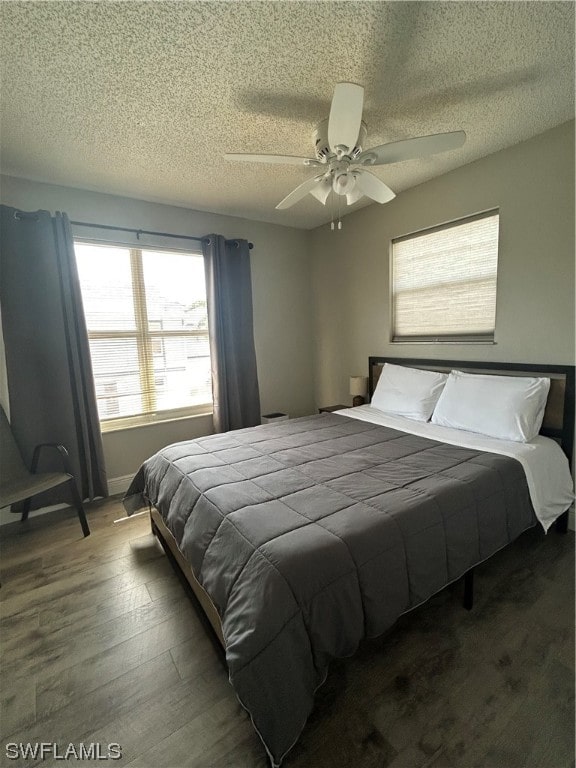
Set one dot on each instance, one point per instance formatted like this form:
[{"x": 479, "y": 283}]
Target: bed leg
[
  {"x": 469, "y": 589},
  {"x": 562, "y": 523}
]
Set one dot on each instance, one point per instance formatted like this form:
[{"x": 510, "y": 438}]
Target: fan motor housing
[{"x": 322, "y": 147}]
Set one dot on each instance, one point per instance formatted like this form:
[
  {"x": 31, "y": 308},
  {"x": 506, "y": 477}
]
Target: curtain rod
[{"x": 139, "y": 232}]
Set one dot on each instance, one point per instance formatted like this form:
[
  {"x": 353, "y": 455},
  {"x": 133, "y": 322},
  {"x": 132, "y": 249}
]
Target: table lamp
[{"x": 358, "y": 389}]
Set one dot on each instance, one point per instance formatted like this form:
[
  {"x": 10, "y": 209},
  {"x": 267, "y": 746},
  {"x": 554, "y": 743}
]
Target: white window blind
[
  {"x": 444, "y": 282},
  {"x": 148, "y": 331}
]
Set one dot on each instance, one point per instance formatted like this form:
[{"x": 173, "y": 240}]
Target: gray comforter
[{"x": 312, "y": 534}]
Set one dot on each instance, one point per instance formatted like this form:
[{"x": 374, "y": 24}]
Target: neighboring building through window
[
  {"x": 148, "y": 331},
  {"x": 444, "y": 282}
]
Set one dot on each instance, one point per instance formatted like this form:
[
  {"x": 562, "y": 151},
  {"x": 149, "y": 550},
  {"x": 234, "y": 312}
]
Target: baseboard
[{"x": 119, "y": 484}]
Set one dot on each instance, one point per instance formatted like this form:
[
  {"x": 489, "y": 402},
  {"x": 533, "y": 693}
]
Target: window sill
[
  {"x": 130, "y": 424},
  {"x": 441, "y": 342}
]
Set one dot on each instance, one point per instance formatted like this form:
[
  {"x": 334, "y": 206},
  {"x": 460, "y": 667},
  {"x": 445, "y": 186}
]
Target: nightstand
[{"x": 330, "y": 408}]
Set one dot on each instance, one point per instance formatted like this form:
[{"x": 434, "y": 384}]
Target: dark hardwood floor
[{"x": 100, "y": 644}]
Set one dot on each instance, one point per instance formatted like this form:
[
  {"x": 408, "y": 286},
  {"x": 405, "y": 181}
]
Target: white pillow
[
  {"x": 506, "y": 407},
  {"x": 408, "y": 392}
]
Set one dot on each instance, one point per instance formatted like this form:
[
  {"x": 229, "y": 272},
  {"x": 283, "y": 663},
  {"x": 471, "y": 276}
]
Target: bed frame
[
  {"x": 558, "y": 424},
  {"x": 207, "y": 610}
]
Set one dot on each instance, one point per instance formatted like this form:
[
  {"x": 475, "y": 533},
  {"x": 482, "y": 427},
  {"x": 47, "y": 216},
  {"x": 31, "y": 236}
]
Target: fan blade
[
  {"x": 409, "y": 149},
  {"x": 277, "y": 159},
  {"x": 345, "y": 116},
  {"x": 373, "y": 187},
  {"x": 300, "y": 192},
  {"x": 323, "y": 189}
]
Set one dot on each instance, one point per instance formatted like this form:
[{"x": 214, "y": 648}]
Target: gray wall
[
  {"x": 532, "y": 183},
  {"x": 282, "y": 295},
  {"x": 321, "y": 298}
]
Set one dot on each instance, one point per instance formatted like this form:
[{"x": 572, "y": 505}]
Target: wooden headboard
[{"x": 558, "y": 420}]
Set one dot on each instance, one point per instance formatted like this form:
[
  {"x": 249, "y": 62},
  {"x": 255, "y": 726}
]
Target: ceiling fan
[{"x": 340, "y": 160}]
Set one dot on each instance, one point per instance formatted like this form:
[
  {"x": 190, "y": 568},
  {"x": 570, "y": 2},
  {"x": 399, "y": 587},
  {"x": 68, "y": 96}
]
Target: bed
[{"x": 302, "y": 538}]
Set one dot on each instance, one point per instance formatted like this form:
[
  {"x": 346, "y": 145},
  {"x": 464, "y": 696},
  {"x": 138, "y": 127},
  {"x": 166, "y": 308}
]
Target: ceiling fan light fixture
[
  {"x": 338, "y": 142},
  {"x": 353, "y": 196},
  {"x": 343, "y": 183}
]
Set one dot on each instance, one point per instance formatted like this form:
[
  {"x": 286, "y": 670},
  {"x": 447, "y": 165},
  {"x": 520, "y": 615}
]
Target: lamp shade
[{"x": 359, "y": 386}]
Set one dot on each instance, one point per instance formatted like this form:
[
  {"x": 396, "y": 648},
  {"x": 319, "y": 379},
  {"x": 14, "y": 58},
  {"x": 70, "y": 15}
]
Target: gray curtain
[
  {"x": 229, "y": 299},
  {"x": 51, "y": 389}
]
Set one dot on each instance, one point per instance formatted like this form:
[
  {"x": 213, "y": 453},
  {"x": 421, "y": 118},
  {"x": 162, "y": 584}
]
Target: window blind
[
  {"x": 444, "y": 282},
  {"x": 148, "y": 331}
]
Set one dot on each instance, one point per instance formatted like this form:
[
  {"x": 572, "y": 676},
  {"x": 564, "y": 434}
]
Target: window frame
[
  {"x": 453, "y": 338},
  {"x": 144, "y": 339}
]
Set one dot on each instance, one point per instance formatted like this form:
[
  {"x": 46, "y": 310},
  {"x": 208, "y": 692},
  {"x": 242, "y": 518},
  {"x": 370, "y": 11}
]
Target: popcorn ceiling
[{"x": 143, "y": 98}]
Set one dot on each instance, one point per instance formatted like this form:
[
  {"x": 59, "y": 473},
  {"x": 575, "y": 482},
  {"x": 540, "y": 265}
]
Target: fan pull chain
[{"x": 332, "y": 209}]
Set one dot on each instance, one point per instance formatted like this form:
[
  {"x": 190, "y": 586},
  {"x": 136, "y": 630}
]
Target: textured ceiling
[{"x": 144, "y": 98}]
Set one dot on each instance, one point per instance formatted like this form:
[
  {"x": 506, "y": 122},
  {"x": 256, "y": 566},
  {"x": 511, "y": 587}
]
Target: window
[
  {"x": 148, "y": 332},
  {"x": 444, "y": 282}
]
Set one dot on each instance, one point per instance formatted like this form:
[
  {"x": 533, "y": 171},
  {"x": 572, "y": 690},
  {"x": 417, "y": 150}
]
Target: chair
[{"x": 17, "y": 483}]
